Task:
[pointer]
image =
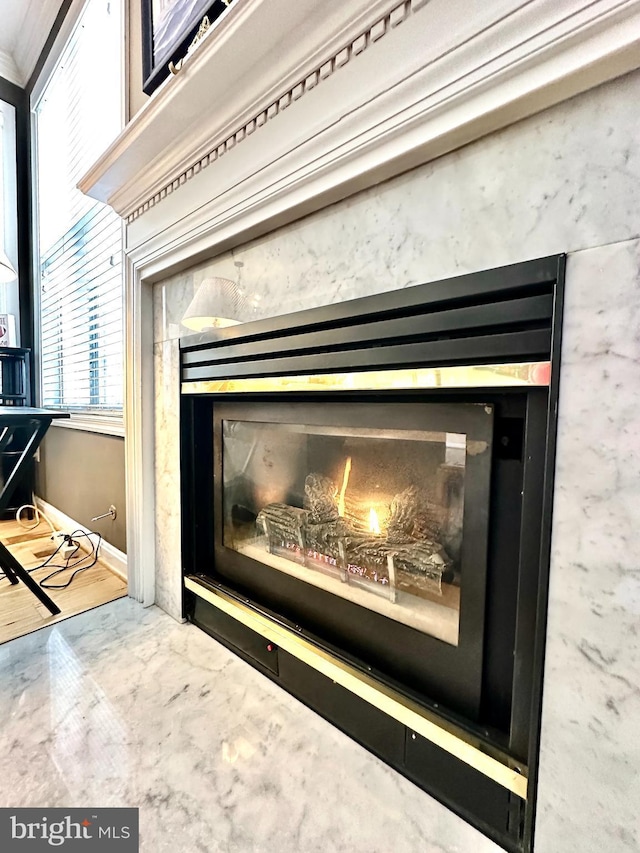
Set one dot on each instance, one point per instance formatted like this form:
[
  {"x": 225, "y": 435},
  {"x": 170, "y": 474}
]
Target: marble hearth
[{"x": 395, "y": 143}]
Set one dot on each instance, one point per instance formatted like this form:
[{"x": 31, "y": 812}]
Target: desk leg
[
  {"x": 11, "y": 566},
  {"x": 38, "y": 430},
  {"x": 11, "y": 576}
]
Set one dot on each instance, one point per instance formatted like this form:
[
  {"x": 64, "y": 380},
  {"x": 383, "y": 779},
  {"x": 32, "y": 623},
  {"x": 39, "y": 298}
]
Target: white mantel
[
  {"x": 241, "y": 142},
  {"x": 248, "y": 135}
]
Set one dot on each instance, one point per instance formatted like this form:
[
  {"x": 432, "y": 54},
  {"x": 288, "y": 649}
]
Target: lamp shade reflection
[
  {"x": 217, "y": 303},
  {"x": 7, "y": 272}
]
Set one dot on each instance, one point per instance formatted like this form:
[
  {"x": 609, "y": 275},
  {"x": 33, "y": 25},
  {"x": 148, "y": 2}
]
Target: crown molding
[
  {"x": 38, "y": 20},
  {"x": 217, "y": 153},
  {"x": 273, "y": 102},
  {"x": 238, "y": 70},
  {"x": 9, "y": 69}
]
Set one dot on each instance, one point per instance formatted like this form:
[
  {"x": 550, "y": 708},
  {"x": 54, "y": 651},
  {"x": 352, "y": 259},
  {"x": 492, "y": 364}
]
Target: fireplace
[
  {"x": 366, "y": 513},
  {"x": 360, "y": 509},
  {"x": 372, "y": 514}
]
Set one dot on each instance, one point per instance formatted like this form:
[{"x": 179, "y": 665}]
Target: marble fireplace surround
[{"x": 382, "y": 214}]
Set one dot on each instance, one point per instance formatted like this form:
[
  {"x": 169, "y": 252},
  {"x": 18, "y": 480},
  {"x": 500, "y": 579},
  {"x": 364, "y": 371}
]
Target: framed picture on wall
[{"x": 168, "y": 28}]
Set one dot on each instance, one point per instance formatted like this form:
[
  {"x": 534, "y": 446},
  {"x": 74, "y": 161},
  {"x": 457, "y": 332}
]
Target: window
[
  {"x": 9, "y": 303},
  {"x": 77, "y": 116}
]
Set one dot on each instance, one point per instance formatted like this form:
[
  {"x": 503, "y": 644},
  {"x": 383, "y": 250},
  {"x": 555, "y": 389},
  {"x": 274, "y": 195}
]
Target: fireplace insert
[{"x": 366, "y": 500}]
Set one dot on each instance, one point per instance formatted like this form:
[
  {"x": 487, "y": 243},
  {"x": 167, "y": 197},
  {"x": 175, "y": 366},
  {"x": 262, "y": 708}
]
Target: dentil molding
[
  {"x": 248, "y": 135},
  {"x": 238, "y": 69},
  {"x": 273, "y": 107}
]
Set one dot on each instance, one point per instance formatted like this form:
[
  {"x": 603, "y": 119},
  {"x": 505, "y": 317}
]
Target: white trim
[
  {"x": 86, "y": 422},
  {"x": 111, "y": 556},
  {"x": 157, "y": 145},
  {"x": 265, "y": 183},
  {"x": 140, "y": 442},
  {"x": 9, "y": 70},
  {"x": 511, "y": 59},
  {"x": 64, "y": 34}
]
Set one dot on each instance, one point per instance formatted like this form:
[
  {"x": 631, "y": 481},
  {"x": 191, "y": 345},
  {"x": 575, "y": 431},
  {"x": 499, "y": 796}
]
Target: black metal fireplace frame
[
  {"x": 501, "y": 316},
  {"x": 456, "y": 670}
]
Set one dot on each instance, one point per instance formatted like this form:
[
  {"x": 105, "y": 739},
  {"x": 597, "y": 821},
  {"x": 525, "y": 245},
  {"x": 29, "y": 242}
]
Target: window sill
[{"x": 92, "y": 423}]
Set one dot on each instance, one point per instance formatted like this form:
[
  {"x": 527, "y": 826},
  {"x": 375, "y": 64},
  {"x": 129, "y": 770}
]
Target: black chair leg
[
  {"x": 11, "y": 566},
  {"x": 38, "y": 426},
  {"x": 11, "y": 576}
]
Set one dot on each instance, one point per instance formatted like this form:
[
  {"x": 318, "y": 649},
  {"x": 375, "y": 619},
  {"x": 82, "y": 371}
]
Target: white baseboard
[{"x": 111, "y": 556}]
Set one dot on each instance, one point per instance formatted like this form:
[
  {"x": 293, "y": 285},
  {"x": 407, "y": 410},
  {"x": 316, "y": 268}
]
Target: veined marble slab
[
  {"x": 168, "y": 556},
  {"x": 122, "y": 706},
  {"x": 589, "y": 784},
  {"x": 561, "y": 181}
]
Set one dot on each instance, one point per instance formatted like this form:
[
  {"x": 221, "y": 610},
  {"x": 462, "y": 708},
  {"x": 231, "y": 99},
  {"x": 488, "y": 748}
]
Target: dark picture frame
[{"x": 166, "y": 39}]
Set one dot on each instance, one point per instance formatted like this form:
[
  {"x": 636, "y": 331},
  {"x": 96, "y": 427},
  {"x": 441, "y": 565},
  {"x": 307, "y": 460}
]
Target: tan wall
[{"x": 82, "y": 474}]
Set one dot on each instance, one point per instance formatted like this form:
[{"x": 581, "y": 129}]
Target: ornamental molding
[
  {"x": 240, "y": 142},
  {"x": 238, "y": 70},
  {"x": 328, "y": 66}
]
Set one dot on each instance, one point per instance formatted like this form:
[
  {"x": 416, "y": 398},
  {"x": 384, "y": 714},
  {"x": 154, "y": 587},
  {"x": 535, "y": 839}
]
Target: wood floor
[{"x": 20, "y": 611}]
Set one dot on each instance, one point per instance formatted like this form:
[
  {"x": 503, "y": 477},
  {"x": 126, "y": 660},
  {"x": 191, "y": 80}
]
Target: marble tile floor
[{"x": 123, "y": 706}]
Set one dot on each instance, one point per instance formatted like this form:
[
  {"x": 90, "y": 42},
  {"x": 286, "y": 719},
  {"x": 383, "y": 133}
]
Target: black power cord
[
  {"x": 68, "y": 539},
  {"x": 77, "y": 565}
]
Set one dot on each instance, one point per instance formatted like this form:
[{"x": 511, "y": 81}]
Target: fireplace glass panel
[{"x": 375, "y": 516}]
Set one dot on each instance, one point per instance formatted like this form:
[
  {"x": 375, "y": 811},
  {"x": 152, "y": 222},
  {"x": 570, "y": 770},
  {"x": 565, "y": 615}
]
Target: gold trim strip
[
  {"x": 524, "y": 374},
  {"x": 445, "y": 735}
]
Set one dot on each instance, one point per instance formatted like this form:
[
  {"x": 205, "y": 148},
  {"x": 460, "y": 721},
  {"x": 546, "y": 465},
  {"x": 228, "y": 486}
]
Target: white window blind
[
  {"x": 80, "y": 240},
  {"x": 2, "y": 167},
  {"x": 9, "y": 301}
]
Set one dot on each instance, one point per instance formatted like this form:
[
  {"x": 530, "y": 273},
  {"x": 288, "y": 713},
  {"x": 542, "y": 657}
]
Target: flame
[
  {"x": 374, "y": 524},
  {"x": 343, "y": 490}
]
